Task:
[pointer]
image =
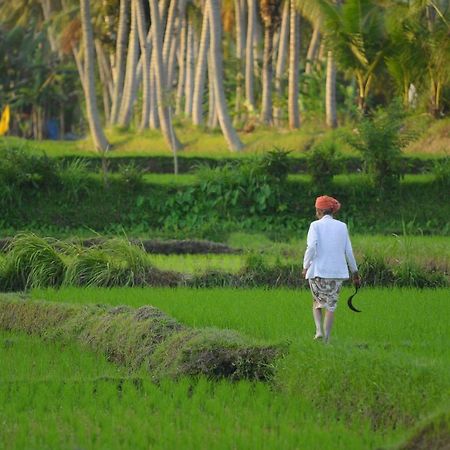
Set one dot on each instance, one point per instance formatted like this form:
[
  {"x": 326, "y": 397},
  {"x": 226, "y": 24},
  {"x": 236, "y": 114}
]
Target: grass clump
[
  {"x": 115, "y": 262},
  {"x": 145, "y": 337},
  {"x": 31, "y": 262}
]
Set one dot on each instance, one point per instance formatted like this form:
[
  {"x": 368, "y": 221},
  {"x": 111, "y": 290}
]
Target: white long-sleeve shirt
[{"x": 329, "y": 252}]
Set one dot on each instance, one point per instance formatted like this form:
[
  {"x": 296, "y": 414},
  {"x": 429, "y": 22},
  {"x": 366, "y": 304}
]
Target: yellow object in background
[{"x": 4, "y": 121}]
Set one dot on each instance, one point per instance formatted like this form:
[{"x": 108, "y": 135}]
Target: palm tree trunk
[
  {"x": 239, "y": 6},
  {"x": 80, "y": 67},
  {"x": 46, "y": 6},
  {"x": 330, "y": 94},
  {"x": 313, "y": 49},
  {"x": 215, "y": 54},
  {"x": 281, "y": 61},
  {"x": 169, "y": 31},
  {"x": 129, "y": 92},
  {"x": 105, "y": 66},
  {"x": 266, "y": 106},
  {"x": 212, "y": 110},
  {"x": 190, "y": 68},
  {"x": 249, "y": 56},
  {"x": 294, "y": 50},
  {"x": 160, "y": 78},
  {"x": 154, "y": 117},
  {"x": 172, "y": 58},
  {"x": 103, "y": 80},
  {"x": 145, "y": 61},
  {"x": 200, "y": 72},
  {"x": 100, "y": 141},
  {"x": 181, "y": 65},
  {"x": 119, "y": 70}
]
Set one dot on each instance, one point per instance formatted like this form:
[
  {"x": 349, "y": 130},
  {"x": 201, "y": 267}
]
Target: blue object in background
[{"x": 52, "y": 129}]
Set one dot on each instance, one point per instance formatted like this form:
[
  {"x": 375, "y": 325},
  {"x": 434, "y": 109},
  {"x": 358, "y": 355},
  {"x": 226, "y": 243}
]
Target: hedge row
[
  {"x": 187, "y": 164},
  {"x": 144, "y": 338}
]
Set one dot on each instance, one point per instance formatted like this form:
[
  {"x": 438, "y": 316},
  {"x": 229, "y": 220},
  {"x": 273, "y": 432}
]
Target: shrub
[
  {"x": 380, "y": 139},
  {"x": 441, "y": 171},
  {"x": 323, "y": 162},
  {"x": 253, "y": 186},
  {"x": 131, "y": 175},
  {"x": 276, "y": 164},
  {"x": 32, "y": 262},
  {"x": 20, "y": 170}
]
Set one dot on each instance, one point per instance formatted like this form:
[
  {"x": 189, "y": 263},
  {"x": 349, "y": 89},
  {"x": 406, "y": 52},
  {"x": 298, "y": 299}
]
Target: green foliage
[
  {"x": 323, "y": 163},
  {"x": 21, "y": 171},
  {"x": 380, "y": 141},
  {"x": 275, "y": 163},
  {"x": 253, "y": 185},
  {"x": 131, "y": 175},
  {"x": 75, "y": 178},
  {"x": 441, "y": 172}
]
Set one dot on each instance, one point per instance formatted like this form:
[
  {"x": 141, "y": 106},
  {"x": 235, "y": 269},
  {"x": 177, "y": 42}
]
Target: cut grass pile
[
  {"x": 143, "y": 338},
  {"x": 383, "y": 382}
]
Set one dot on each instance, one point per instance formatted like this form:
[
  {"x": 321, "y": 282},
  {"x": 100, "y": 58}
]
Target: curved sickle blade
[{"x": 349, "y": 301}]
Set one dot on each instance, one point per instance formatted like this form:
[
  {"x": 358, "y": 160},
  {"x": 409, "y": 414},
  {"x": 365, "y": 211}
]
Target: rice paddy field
[{"x": 383, "y": 378}]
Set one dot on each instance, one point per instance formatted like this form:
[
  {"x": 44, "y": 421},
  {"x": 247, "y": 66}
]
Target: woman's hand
[{"x": 304, "y": 273}]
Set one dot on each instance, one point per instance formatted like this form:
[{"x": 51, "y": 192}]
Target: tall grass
[
  {"x": 32, "y": 262},
  {"x": 116, "y": 262}
]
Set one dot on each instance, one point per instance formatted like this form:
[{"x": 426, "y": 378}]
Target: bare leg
[
  {"x": 328, "y": 323},
  {"x": 317, "y": 314}
]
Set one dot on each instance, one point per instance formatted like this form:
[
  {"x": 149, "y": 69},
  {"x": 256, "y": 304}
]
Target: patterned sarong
[{"x": 325, "y": 292}]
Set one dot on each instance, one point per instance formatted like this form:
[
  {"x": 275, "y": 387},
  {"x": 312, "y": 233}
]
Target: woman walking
[{"x": 327, "y": 261}]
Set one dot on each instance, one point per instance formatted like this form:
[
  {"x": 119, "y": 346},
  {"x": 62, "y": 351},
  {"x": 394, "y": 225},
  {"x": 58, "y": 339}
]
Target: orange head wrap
[{"x": 327, "y": 203}]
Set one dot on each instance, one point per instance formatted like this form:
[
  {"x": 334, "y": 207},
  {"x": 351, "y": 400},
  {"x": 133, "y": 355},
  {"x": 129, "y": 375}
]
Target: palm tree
[
  {"x": 270, "y": 14},
  {"x": 281, "y": 60},
  {"x": 249, "y": 56},
  {"x": 330, "y": 92},
  {"x": 355, "y": 33},
  {"x": 200, "y": 72},
  {"x": 100, "y": 141},
  {"x": 294, "y": 51},
  {"x": 145, "y": 59},
  {"x": 160, "y": 78},
  {"x": 130, "y": 88},
  {"x": 119, "y": 67},
  {"x": 216, "y": 74},
  {"x": 313, "y": 49}
]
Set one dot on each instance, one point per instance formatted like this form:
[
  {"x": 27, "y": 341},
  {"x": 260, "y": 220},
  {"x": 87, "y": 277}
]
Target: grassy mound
[{"x": 144, "y": 337}]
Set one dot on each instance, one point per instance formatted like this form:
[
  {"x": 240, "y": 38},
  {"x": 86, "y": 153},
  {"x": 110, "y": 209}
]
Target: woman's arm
[{"x": 311, "y": 244}]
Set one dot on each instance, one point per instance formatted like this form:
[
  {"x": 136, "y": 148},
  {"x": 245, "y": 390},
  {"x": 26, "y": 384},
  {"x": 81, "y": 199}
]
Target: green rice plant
[
  {"x": 375, "y": 272},
  {"x": 411, "y": 274},
  {"x": 116, "y": 262},
  {"x": 31, "y": 262},
  {"x": 74, "y": 177}
]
